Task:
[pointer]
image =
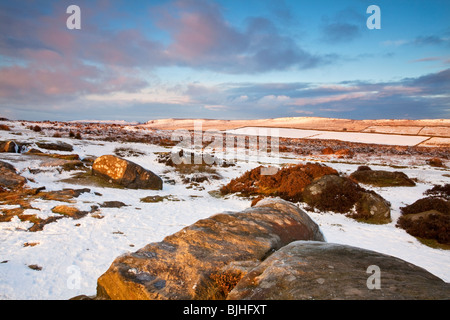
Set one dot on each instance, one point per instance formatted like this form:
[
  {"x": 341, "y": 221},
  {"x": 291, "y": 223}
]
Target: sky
[{"x": 224, "y": 59}]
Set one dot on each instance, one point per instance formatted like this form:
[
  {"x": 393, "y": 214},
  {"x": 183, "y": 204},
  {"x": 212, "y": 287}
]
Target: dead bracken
[{"x": 288, "y": 183}]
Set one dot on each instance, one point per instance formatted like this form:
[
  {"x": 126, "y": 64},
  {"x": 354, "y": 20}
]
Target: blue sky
[{"x": 224, "y": 59}]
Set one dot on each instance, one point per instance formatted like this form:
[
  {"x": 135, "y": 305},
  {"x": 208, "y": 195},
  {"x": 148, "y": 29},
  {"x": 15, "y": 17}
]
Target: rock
[
  {"x": 154, "y": 199},
  {"x": 435, "y": 162},
  {"x": 325, "y": 271},
  {"x": 39, "y": 226},
  {"x": 69, "y": 211},
  {"x": 381, "y": 178},
  {"x": 180, "y": 266},
  {"x": 344, "y": 153},
  {"x": 34, "y": 151},
  {"x": 342, "y": 195},
  {"x": 59, "y": 146},
  {"x": 35, "y": 267},
  {"x": 341, "y": 153},
  {"x": 327, "y": 150},
  {"x": 126, "y": 173},
  {"x": 68, "y": 157},
  {"x": 9, "y": 177},
  {"x": 373, "y": 208},
  {"x": 332, "y": 193},
  {"x": 9, "y": 146},
  {"x": 64, "y": 195},
  {"x": 66, "y": 165},
  {"x": 113, "y": 204},
  {"x": 7, "y": 166}
]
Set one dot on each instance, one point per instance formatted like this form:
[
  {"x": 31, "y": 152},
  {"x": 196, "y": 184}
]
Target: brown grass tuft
[
  {"x": 427, "y": 204},
  {"x": 225, "y": 281},
  {"x": 288, "y": 183}
]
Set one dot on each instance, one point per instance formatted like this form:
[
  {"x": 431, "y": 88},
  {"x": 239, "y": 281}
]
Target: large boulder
[
  {"x": 325, "y": 271},
  {"x": 342, "y": 195},
  {"x": 126, "y": 173},
  {"x": 183, "y": 264},
  {"x": 9, "y": 177},
  {"x": 381, "y": 178}
]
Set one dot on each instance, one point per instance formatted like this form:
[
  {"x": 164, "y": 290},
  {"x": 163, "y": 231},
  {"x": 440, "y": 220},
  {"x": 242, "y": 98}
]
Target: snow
[
  {"x": 74, "y": 253},
  {"x": 361, "y": 137}
]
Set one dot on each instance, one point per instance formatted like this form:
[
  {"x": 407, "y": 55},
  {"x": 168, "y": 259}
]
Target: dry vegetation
[
  {"x": 288, "y": 183},
  {"x": 429, "y": 218}
]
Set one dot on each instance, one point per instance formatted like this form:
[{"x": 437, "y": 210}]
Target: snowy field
[
  {"x": 361, "y": 137},
  {"x": 74, "y": 253}
]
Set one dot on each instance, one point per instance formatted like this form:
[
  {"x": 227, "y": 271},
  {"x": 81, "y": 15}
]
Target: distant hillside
[{"x": 425, "y": 127}]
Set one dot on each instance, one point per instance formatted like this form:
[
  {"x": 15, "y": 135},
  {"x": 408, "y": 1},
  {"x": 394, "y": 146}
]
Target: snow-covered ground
[
  {"x": 74, "y": 253},
  {"x": 361, "y": 137}
]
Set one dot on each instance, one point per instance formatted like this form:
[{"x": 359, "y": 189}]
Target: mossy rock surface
[{"x": 381, "y": 178}]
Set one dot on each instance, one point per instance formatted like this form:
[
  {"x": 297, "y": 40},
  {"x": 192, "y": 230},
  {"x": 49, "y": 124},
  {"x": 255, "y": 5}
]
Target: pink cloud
[
  {"x": 19, "y": 81},
  {"x": 327, "y": 99},
  {"x": 198, "y": 31},
  {"x": 62, "y": 81}
]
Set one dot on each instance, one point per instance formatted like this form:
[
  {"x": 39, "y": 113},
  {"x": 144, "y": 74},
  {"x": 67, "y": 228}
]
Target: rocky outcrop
[
  {"x": 342, "y": 195},
  {"x": 8, "y": 146},
  {"x": 69, "y": 211},
  {"x": 125, "y": 173},
  {"x": 58, "y": 146},
  {"x": 181, "y": 266},
  {"x": 381, "y": 178},
  {"x": 256, "y": 254},
  {"x": 9, "y": 177},
  {"x": 325, "y": 271}
]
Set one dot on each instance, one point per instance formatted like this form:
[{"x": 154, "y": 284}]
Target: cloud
[
  {"x": 328, "y": 99},
  {"x": 202, "y": 38},
  {"x": 344, "y": 26},
  {"x": 419, "y": 41},
  {"x": 429, "y": 40},
  {"x": 48, "y": 64},
  {"x": 340, "y": 32},
  {"x": 35, "y": 44},
  {"x": 394, "y": 43},
  {"x": 108, "y": 66},
  {"x": 425, "y": 96},
  {"x": 427, "y": 59},
  {"x": 216, "y": 107}
]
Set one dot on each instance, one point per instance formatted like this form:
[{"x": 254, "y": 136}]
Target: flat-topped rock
[
  {"x": 180, "y": 266},
  {"x": 126, "y": 173},
  {"x": 328, "y": 271}
]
